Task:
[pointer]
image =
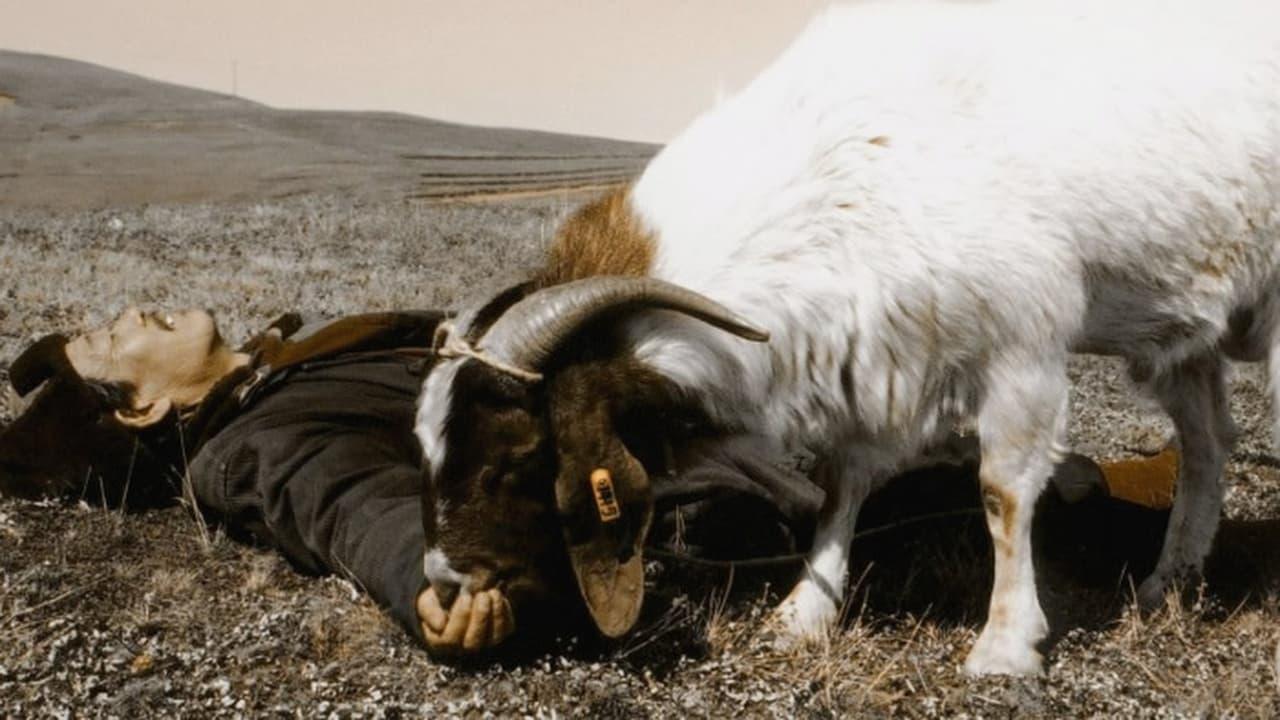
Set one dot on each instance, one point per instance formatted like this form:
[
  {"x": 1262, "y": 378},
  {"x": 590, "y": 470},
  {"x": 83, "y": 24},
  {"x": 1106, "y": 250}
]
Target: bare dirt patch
[{"x": 141, "y": 614}]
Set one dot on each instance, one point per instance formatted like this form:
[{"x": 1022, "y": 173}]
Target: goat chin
[{"x": 928, "y": 206}]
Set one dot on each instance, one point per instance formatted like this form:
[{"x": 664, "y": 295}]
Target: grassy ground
[{"x": 135, "y": 614}]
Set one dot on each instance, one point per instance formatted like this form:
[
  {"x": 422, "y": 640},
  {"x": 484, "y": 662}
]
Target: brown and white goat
[{"x": 559, "y": 459}]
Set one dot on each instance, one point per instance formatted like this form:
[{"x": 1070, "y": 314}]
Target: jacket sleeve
[
  {"x": 728, "y": 498},
  {"x": 325, "y": 468}
]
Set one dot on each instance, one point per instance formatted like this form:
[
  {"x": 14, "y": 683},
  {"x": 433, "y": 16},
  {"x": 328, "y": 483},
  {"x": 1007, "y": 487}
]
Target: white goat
[{"x": 928, "y": 206}]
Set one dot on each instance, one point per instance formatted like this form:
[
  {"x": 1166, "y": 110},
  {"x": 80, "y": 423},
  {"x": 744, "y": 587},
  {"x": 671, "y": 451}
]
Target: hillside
[{"x": 77, "y": 135}]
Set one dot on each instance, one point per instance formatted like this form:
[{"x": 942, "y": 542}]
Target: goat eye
[{"x": 489, "y": 479}]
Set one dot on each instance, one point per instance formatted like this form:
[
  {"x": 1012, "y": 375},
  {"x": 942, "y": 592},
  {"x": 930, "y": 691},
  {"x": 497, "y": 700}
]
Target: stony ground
[{"x": 107, "y": 613}]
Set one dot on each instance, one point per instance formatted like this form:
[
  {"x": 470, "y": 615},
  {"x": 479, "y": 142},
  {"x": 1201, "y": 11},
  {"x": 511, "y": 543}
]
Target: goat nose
[{"x": 446, "y": 592}]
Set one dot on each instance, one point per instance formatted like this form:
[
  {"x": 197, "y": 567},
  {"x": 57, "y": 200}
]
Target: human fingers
[
  {"x": 444, "y": 638},
  {"x": 435, "y": 641},
  {"x": 503, "y": 619},
  {"x": 459, "y": 618},
  {"x": 477, "y": 633},
  {"x": 430, "y": 612}
]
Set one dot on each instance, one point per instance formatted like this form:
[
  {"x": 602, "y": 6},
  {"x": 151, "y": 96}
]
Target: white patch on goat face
[
  {"x": 433, "y": 409},
  {"x": 436, "y": 568}
]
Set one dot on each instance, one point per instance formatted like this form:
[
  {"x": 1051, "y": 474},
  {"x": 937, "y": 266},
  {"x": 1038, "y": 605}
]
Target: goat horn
[{"x": 531, "y": 330}]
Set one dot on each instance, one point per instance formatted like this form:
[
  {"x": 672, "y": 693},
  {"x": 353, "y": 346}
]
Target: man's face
[{"x": 174, "y": 355}]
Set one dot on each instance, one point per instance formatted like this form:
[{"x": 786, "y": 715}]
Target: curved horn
[{"x": 532, "y": 329}]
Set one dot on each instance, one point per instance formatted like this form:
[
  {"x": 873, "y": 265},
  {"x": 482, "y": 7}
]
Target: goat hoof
[
  {"x": 996, "y": 656},
  {"x": 1151, "y": 593},
  {"x": 806, "y": 615}
]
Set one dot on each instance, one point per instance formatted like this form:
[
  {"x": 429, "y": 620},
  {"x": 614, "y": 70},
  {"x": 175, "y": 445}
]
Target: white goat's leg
[
  {"x": 1020, "y": 424},
  {"x": 1194, "y": 394},
  {"x": 813, "y": 606}
]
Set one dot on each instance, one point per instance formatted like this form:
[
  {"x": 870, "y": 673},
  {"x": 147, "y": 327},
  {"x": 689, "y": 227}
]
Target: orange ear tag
[
  {"x": 1148, "y": 481},
  {"x": 606, "y": 499}
]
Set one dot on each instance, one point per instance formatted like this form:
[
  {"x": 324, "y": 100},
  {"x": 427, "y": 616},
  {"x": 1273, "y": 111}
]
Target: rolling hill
[{"x": 77, "y": 135}]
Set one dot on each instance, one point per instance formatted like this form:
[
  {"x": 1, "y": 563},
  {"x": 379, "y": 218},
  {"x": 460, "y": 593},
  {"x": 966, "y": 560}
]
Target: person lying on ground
[{"x": 302, "y": 440}]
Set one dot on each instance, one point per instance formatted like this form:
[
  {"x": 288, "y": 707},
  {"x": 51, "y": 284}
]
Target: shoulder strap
[{"x": 356, "y": 333}]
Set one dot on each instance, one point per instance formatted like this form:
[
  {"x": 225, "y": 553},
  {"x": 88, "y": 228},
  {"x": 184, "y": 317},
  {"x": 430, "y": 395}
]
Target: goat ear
[{"x": 604, "y": 502}]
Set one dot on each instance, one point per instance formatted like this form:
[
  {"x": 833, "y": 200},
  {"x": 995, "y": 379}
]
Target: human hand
[{"x": 472, "y": 624}]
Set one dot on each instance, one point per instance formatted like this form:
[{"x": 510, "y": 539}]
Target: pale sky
[{"x": 633, "y": 69}]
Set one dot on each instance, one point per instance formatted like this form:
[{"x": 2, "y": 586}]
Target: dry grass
[
  {"x": 137, "y": 614},
  {"x": 76, "y": 271},
  {"x": 1276, "y": 669}
]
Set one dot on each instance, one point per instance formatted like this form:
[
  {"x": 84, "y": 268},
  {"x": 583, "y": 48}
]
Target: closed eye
[{"x": 165, "y": 322}]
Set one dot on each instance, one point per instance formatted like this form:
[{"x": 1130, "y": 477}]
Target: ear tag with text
[{"x": 606, "y": 499}]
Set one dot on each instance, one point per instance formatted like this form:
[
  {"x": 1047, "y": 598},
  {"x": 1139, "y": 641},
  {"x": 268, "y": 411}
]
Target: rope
[{"x": 449, "y": 343}]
